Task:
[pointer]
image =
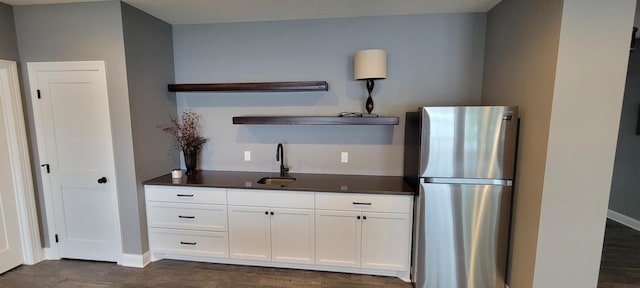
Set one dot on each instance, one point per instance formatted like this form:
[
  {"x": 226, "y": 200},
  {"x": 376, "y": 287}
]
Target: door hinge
[
  {"x": 38, "y": 93},
  {"x": 57, "y": 238}
]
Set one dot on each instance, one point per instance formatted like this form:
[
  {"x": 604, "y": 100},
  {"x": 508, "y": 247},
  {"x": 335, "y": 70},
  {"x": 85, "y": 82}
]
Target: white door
[
  {"x": 386, "y": 241},
  {"x": 71, "y": 112},
  {"x": 293, "y": 235},
  {"x": 10, "y": 240},
  {"x": 338, "y": 238},
  {"x": 249, "y": 233}
]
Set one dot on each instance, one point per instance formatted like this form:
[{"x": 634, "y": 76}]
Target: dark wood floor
[
  {"x": 620, "y": 265},
  {"x": 171, "y": 273}
]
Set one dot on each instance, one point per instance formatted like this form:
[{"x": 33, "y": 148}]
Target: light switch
[
  {"x": 247, "y": 155},
  {"x": 344, "y": 157}
]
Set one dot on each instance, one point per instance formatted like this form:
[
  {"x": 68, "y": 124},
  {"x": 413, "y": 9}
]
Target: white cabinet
[
  {"x": 271, "y": 225},
  {"x": 249, "y": 232},
  {"x": 344, "y": 232},
  {"x": 338, "y": 238},
  {"x": 292, "y": 235},
  {"x": 364, "y": 230},
  {"x": 187, "y": 221},
  {"x": 386, "y": 241}
]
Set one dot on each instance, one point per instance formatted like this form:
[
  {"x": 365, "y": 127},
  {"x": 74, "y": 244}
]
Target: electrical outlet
[
  {"x": 344, "y": 157},
  {"x": 247, "y": 155}
]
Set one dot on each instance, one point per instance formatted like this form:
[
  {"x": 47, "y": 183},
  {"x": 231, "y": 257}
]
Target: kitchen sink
[{"x": 280, "y": 181}]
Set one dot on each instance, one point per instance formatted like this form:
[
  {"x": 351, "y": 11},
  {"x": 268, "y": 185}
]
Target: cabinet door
[
  {"x": 292, "y": 235},
  {"x": 249, "y": 233},
  {"x": 386, "y": 241},
  {"x": 338, "y": 238}
]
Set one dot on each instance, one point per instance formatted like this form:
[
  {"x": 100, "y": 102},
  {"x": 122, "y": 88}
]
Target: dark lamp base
[{"x": 369, "y": 104}]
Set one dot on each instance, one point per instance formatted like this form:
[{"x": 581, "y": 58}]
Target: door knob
[{"x": 102, "y": 180}]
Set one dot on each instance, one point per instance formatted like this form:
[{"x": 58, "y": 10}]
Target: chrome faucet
[{"x": 280, "y": 157}]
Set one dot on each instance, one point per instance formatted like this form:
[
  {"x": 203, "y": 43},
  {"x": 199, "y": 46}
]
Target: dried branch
[{"x": 185, "y": 131}]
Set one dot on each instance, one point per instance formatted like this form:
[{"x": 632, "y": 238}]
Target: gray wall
[
  {"x": 520, "y": 62},
  {"x": 8, "y": 40},
  {"x": 87, "y": 31},
  {"x": 433, "y": 59},
  {"x": 625, "y": 189},
  {"x": 148, "y": 47}
]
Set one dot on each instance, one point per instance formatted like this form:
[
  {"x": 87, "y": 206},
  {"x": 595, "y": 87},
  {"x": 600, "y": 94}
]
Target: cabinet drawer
[
  {"x": 187, "y": 216},
  {"x": 186, "y": 194},
  {"x": 185, "y": 242},
  {"x": 284, "y": 199},
  {"x": 364, "y": 202}
]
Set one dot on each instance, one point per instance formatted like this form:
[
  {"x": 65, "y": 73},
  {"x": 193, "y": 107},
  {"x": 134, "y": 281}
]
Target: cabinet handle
[
  {"x": 266, "y": 212},
  {"x": 361, "y": 203},
  {"x": 185, "y": 195},
  {"x": 358, "y": 217},
  {"x": 364, "y": 217},
  {"x": 188, "y": 243},
  {"x": 187, "y": 217},
  {"x": 271, "y": 213}
]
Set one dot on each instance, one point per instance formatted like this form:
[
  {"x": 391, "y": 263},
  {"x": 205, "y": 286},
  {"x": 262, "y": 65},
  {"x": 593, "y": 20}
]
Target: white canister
[{"x": 176, "y": 173}]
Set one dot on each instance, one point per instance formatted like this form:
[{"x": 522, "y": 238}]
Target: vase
[{"x": 190, "y": 159}]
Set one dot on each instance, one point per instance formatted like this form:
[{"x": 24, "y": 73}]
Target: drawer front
[
  {"x": 364, "y": 202},
  {"x": 187, "y": 216},
  {"x": 186, "y": 194},
  {"x": 194, "y": 243},
  {"x": 284, "y": 199}
]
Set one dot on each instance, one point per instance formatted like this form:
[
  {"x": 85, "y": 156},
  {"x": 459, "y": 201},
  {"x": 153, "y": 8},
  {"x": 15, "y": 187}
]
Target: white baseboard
[
  {"x": 135, "y": 260},
  {"x": 39, "y": 256},
  {"x": 127, "y": 260},
  {"x": 146, "y": 258},
  {"x": 624, "y": 219},
  {"x": 51, "y": 254}
]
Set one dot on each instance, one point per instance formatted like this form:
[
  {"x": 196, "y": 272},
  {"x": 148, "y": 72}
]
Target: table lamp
[{"x": 369, "y": 65}]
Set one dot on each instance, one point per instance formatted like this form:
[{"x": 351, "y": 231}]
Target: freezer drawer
[{"x": 462, "y": 235}]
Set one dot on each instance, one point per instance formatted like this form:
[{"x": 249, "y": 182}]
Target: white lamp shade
[{"x": 370, "y": 64}]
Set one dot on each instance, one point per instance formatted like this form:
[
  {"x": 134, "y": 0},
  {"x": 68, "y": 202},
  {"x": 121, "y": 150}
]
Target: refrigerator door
[
  {"x": 468, "y": 142},
  {"x": 462, "y": 236}
]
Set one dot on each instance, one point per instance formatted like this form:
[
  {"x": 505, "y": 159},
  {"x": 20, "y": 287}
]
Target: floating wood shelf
[
  {"x": 314, "y": 120},
  {"x": 298, "y": 86}
]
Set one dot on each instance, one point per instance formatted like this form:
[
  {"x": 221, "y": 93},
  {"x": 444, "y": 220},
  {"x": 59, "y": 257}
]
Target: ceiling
[{"x": 224, "y": 11}]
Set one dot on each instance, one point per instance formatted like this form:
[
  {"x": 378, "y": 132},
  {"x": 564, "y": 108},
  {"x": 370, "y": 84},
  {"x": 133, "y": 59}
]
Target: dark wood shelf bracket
[{"x": 298, "y": 86}]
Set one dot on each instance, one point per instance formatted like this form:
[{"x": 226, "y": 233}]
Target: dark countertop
[{"x": 304, "y": 182}]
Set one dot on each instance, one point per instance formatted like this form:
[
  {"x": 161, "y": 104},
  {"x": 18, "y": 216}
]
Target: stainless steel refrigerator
[{"x": 461, "y": 160}]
